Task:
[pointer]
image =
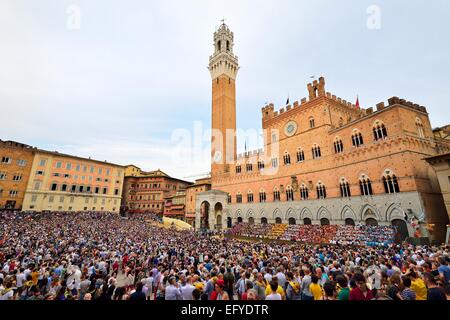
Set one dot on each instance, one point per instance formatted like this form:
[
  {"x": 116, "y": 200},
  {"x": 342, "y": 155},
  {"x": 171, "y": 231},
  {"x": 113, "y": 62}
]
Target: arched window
[
  {"x": 249, "y": 167},
  {"x": 324, "y": 222},
  {"x": 307, "y": 221},
  {"x": 365, "y": 185},
  {"x": 300, "y": 155},
  {"x": 287, "y": 159},
  {"x": 263, "y": 220},
  {"x": 278, "y": 221},
  {"x": 357, "y": 138},
  {"x": 274, "y": 138},
  {"x": 390, "y": 182},
  {"x": 250, "y": 197},
  {"x": 228, "y": 45},
  {"x": 304, "y": 192},
  {"x": 274, "y": 162},
  {"x": 345, "y": 188},
  {"x": 260, "y": 165},
  {"x": 262, "y": 196},
  {"x": 276, "y": 195},
  {"x": 316, "y": 152},
  {"x": 419, "y": 127},
  {"x": 229, "y": 223},
  {"x": 219, "y": 45},
  {"x": 238, "y": 169},
  {"x": 292, "y": 221},
  {"x": 321, "y": 191},
  {"x": 338, "y": 145},
  {"x": 238, "y": 197},
  {"x": 311, "y": 122},
  {"x": 289, "y": 193},
  {"x": 229, "y": 198},
  {"x": 379, "y": 130}
]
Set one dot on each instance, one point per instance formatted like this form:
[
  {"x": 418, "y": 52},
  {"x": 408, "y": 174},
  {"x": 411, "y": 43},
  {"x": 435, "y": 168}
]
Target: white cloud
[{"x": 136, "y": 71}]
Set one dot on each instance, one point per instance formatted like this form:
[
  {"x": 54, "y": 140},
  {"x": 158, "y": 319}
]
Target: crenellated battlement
[
  {"x": 250, "y": 154},
  {"x": 316, "y": 89},
  {"x": 397, "y": 101}
]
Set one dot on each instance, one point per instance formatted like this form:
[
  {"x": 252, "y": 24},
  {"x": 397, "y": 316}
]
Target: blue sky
[{"x": 135, "y": 71}]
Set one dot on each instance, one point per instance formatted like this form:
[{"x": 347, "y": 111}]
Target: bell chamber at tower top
[{"x": 223, "y": 61}]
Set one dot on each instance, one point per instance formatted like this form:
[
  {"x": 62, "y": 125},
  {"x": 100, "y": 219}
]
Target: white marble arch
[
  {"x": 250, "y": 214},
  {"x": 394, "y": 212},
  {"x": 291, "y": 213},
  {"x": 366, "y": 215},
  {"x": 323, "y": 213},
  {"x": 305, "y": 213},
  {"x": 263, "y": 214},
  {"x": 348, "y": 213},
  {"x": 277, "y": 214}
]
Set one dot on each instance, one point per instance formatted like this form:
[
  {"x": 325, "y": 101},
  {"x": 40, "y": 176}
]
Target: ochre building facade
[
  {"x": 16, "y": 160},
  {"x": 325, "y": 161},
  {"x": 147, "y": 191}
]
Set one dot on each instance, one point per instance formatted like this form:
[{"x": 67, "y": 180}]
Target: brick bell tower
[{"x": 223, "y": 66}]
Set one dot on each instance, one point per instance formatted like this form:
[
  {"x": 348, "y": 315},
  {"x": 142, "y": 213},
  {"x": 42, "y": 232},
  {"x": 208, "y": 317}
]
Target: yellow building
[{"x": 60, "y": 182}]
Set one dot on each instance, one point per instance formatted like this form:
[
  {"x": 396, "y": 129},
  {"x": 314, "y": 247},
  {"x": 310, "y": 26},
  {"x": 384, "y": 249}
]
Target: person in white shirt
[
  {"x": 6, "y": 268},
  {"x": 268, "y": 276},
  {"x": 20, "y": 279},
  {"x": 274, "y": 295},
  {"x": 173, "y": 291},
  {"x": 281, "y": 277},
  {"x": 148, "y": 284},
  {"x": 7, "y": 293},
  {"x": 187, "y": 289}
]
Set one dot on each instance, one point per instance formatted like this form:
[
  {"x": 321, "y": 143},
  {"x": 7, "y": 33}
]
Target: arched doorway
[
  {"x": 239, "y": 219},
  {"x": 204, "y": 215},
  {"x": 219, "y": 222},
  {"x": 307, "y": 221},
  {"x": 278, "y": 221},
  {"x": 324, "y": 222},
  {"x": 229, "y": 223},
  {"x": 402, "y": 229},
  {"x": 218, "y": 213},
  {"x": 263, "y": 220},
  {"x": 292, "y": 221},
  {"x": 251, "y": 220},
  {"x": 349, "y": 222},
  {"x": 371, "y": 222}
]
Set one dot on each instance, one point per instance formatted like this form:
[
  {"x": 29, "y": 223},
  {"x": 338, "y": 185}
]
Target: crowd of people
[
  {"x": 103, "y": 256},
  {"x": 317, "y": 234}
]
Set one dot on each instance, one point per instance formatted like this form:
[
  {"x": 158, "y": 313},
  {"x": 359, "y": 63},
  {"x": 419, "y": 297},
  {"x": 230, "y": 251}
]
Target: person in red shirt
[
  {"x": 361, "y": 292},
  {"x": 125, "y": 261},
  {"x": 219, "y": 293},
  {"x": 115, "y": 266},
  {"x": 12, "y": 266}
]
